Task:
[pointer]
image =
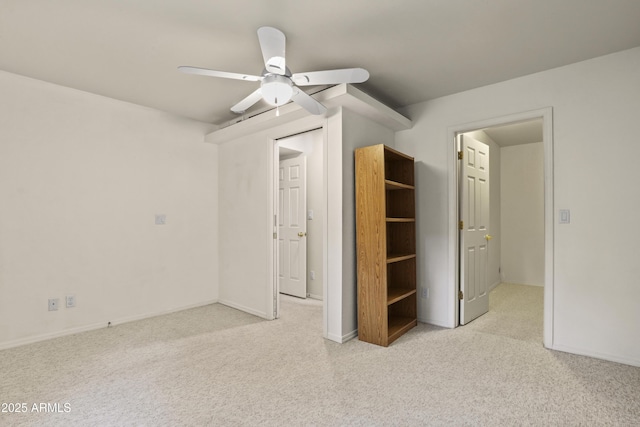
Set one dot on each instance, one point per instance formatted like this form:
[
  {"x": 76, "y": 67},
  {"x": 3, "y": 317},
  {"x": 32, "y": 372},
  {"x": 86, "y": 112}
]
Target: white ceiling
[
  {"x": 516, "y": 133},
  {"x": 415, "y": 50}
]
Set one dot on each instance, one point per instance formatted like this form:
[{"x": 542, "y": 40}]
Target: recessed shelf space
[
  {"x": 396, "y": 294},
  {"x": 398, "y": 326},
  {"x": 402, "y": 274},
  {"x": 401, "y": 279},
  {"x": 400, "y": 203},
  {"x": 393, "y": 185},
  {"x": 401, "y": 220},
  {"x": 401, "y": 238},
  {"x": 398, "y": 167},
  {"x": 402, "y": 316},
  {"x": 391, "y": 258}
]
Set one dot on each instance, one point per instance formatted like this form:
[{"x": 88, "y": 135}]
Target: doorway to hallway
[{"x": 520, "y": 225}]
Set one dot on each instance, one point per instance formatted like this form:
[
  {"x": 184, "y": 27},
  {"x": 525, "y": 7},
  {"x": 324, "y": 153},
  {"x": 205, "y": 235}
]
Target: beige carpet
[
  {"x": 515, "y": 311},
  {"x": 217, "y": 366}
]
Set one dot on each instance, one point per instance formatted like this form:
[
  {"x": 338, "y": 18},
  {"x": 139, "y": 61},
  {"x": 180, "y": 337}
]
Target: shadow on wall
[{"x": 429, "y": 184}]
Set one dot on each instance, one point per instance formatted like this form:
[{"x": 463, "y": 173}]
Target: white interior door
[
  {"x": 292, "y": 226},
  {"x": 474, "y": 228}
]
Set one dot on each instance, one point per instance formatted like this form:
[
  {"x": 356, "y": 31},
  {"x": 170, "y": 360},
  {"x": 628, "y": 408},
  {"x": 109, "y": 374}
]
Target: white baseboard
[
  {"x": 351, "y": 335},
  {"x": 128, "y": 319},
  {"x": 518, "y": 283},
  {"x": 435, "y": 322},
  {"x": 313, "y": 296},
  {"x": 341, "y": 339},
  {"x": 596, "y": 355},
  {"x": 91, "y": 327},
  {"x": 50, "y": 335},
  {"x": 334, "y": 338},
  {"x": 240, "y": 307}
]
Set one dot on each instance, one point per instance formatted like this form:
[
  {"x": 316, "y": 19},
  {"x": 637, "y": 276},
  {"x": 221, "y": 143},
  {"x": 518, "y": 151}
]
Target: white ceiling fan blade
[
  {"x": 272, "y": 43},
  {"x": 331, "y": 77},
  {"x": 214, "y": 73},
  {"x": 307, "y": 102},
  {"x": 243, "y": 105}
]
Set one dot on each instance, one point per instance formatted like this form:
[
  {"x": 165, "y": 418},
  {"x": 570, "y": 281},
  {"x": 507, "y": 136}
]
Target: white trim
[
  {"x": 99, "y": 325},
  {"x": 325, "y": 230},
  {"x": 342, "y": 95},
  {"x": 341, "y": 339},
  {"x": 597, "y": 355},
  {"x": 273, "y": 298},
  {"x": 351, "y": 335},
  {"x": 547, "y": 128},
  {"x": 315, "y": 297},
  {"x": 549, "y": 224},
  {"x": 435, "y": 322},
  {"x": 453, "y": 270},
  {"x": 246, "y": 309}
]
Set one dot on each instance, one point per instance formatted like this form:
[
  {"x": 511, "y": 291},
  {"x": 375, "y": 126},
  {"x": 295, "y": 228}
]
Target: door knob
[
  {"x": 488, "y": 237},
  {"x": 302, "y": 234}
]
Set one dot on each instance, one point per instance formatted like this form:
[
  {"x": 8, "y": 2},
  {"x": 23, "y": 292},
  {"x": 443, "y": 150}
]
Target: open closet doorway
[
  {"x": 300, "y": 210},
  {"x": 509, "y": 263}
]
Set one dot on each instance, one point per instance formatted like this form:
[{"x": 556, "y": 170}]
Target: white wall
[
  {"x": 595, "y": 109},
  {"x": 522, "y": 207},
  {"x": 81, "y": 179}
]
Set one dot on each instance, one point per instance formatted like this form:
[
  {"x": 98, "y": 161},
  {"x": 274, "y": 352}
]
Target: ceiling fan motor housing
[{"x": 276, "y": 89}]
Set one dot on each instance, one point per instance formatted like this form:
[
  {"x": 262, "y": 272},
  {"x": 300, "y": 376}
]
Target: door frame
[
  {"x": 454, "y": 261},
  {"x": 275, "y": 145}
]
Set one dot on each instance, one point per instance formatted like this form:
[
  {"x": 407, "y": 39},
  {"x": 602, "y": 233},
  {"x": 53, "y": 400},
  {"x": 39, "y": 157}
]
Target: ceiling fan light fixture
[
  {"x": 278, "y": 85},
  {"x": 276, "y": 90}
]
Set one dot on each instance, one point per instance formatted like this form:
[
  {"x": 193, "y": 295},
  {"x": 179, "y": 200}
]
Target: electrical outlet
[
  {"x": 70, "y": 300},
  {"x": 313, "y": 275},
  {"x": 53, "y": 304},
  {"x": 161, "y": 219}
]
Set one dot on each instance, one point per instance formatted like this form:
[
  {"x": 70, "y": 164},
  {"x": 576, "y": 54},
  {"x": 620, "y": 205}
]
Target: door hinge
[
  {"x": 275, "y": 234},
  {"x": 460, "y": 155},
  {"x": 461, "y": 225},
  {"x": 460, "y": 295}
]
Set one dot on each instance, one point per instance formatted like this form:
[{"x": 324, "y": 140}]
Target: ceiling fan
[{"x": 278, "y": 85}]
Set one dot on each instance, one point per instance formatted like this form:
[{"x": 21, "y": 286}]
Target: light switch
[
  {"x": 310, "y": 214},
  {"x": 161, "y": 219},
  {"x": 565, "y": 216}
]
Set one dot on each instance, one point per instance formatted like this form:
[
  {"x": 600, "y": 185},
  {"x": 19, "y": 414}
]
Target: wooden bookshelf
[{"x": 386, "y": 244}]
